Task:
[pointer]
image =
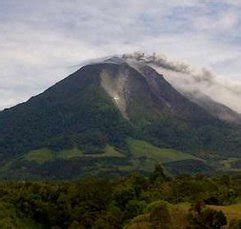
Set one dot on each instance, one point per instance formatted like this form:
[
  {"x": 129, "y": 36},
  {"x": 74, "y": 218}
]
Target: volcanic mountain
[{"x": 114, "y": 117}]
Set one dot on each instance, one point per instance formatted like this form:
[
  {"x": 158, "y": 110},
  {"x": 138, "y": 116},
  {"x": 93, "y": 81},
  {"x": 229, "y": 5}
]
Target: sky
[{"x": 41, "y": 42}]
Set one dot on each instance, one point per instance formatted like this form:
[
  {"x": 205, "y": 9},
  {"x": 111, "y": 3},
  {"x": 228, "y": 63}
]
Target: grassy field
[
  {"x": 143, "y": 156},
  {"x": 144, "y": 149},
  {"x": 139, "y": 150},
  {"x": 39, "y": 156},
  {"x": 45, "y": 155},
  {"x": 228, "y": 164}
]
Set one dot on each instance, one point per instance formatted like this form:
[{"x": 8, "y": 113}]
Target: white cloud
[{"x": 219, "y": 23}]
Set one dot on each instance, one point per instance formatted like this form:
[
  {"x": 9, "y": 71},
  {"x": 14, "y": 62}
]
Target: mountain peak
[{"x": 115, "y": 60}]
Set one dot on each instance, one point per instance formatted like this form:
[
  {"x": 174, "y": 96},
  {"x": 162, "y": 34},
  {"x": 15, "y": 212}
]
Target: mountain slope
[
  {"x": 76, "y": 105},
  {"x": 216, "y": 109},
  {"x": 101, "y": 107},
  {"x": 98, "y": 104}
]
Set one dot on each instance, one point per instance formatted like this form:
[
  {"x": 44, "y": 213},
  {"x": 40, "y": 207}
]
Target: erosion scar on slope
[{"x": 114, "y": 85}]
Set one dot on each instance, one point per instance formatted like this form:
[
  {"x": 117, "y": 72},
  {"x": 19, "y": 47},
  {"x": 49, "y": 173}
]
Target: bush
[{"x": 201, "y": 217}]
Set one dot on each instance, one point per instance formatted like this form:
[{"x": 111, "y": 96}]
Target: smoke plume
[{"x": 186, "y": 79}]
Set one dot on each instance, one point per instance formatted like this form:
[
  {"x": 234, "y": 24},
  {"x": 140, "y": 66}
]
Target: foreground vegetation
[{"x": 156, "y": 201}]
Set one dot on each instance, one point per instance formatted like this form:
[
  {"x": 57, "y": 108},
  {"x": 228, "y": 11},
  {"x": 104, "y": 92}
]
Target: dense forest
[{"x": 136, "y": 201}]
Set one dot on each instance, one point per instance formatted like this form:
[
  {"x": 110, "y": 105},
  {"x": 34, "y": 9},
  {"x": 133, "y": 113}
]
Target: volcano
[{"x": 112, "y": 117}]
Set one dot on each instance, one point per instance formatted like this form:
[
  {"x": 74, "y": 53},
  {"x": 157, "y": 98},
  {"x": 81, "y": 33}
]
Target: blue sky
[{"x": 40, "y": 41}]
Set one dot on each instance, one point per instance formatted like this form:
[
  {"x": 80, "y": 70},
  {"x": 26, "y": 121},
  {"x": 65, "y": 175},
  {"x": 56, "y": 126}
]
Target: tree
[{"x": 158, "y": 174}]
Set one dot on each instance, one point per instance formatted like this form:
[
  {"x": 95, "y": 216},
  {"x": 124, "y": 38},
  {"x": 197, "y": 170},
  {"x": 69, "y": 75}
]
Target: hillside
[
  {"x": 216, "y": 109},
  {"x": 85, "y": 123}
]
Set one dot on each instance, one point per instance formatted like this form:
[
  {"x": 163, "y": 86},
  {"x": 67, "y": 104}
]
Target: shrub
[{"x": 202, "y": 217}]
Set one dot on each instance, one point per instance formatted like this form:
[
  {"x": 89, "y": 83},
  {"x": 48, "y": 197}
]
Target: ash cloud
[
  {"x": 186, "y": 79},
  {"x": 158, "y": 60}
]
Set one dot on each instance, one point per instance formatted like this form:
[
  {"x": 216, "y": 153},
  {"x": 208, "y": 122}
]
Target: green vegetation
[
  {"x": 141, "y": 149},
  {"x": 45, "y": 155},
  {"x": 40, "y": 156},
  {"x": 138, "y": 149},
  {"x": 233, "y": 212},
  {"x": 136, "y": 201},
  {"x": 202, "y": 217},
  {"x": 76, "y": 126},
  {"x": 138, "y": 155},
  {"x": 228, "y": 164},
  {"x": 10, "y": 217}
]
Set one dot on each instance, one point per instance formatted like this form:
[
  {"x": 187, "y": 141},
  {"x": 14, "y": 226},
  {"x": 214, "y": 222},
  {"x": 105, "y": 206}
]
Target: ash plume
[{"x": 186, "y": 79}]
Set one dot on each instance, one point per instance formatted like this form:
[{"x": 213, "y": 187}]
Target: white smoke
[{"x": 186, "y": 79}]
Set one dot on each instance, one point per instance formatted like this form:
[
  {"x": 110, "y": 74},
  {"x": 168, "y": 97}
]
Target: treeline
[{"x": 102, "y": 203}]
